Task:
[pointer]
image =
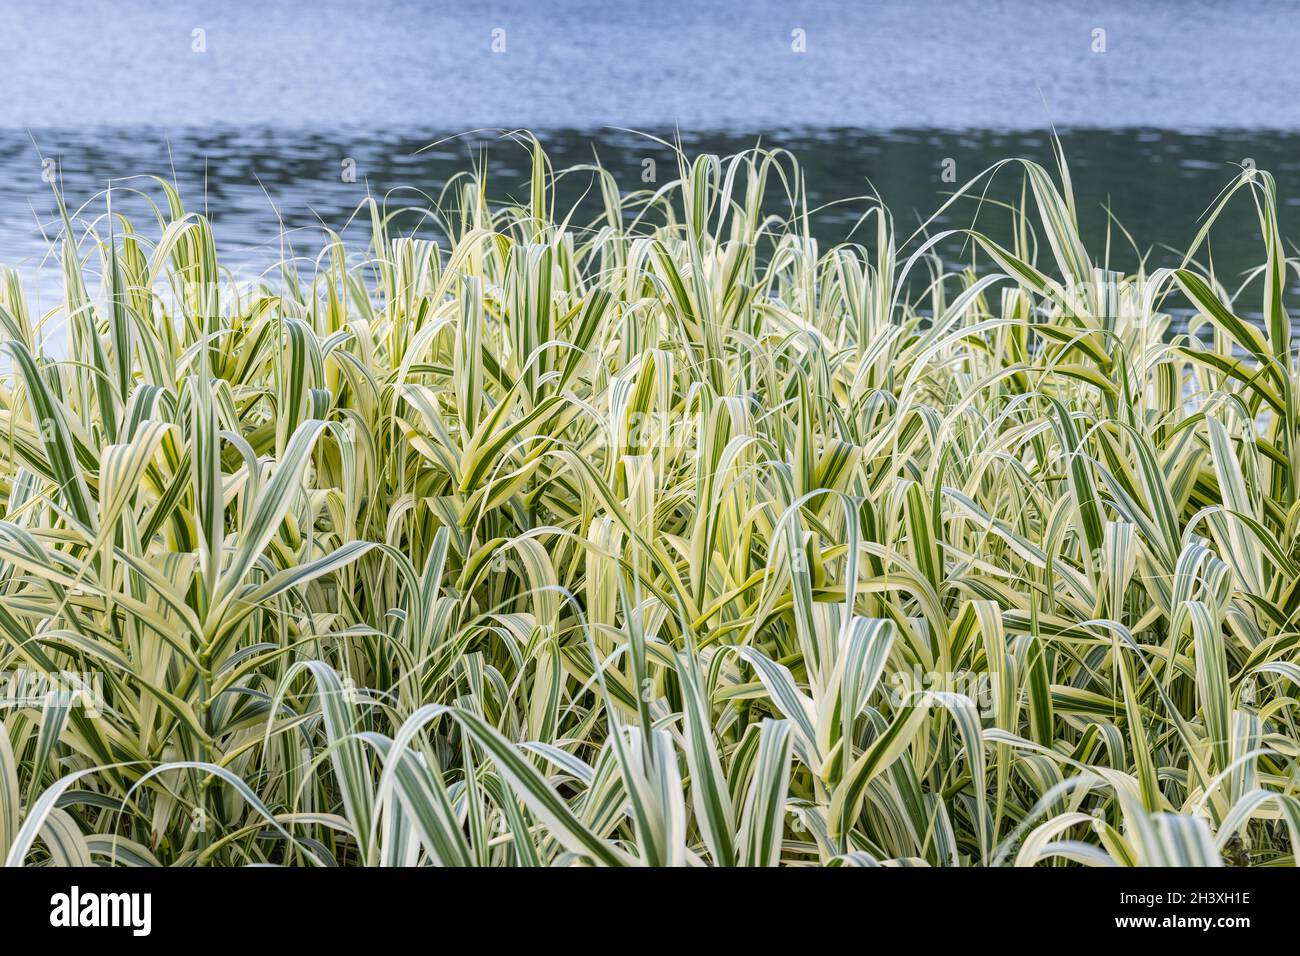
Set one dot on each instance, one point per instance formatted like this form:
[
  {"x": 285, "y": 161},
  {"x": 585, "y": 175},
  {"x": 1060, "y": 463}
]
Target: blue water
[
  {"x": 727, "y": 64},
  {"x": 254, "y": 108}
]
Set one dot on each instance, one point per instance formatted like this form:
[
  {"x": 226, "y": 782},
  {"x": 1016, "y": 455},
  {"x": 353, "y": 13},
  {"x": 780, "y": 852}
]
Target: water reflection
[{"x": 1158, "y": 183}]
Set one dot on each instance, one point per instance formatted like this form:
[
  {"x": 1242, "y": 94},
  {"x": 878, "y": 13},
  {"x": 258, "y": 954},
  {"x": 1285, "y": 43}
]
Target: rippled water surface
[{"x": 254, "y": 109}]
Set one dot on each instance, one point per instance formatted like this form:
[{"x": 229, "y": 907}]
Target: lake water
[{"x": 255, "y": 110}]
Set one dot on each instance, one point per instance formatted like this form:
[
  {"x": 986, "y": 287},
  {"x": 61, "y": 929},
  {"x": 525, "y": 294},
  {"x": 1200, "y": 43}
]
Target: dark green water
[{"x": 1158, "y": 183}]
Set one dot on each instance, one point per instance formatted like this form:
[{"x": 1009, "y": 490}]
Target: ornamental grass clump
[{"x": 668, "y": 538}]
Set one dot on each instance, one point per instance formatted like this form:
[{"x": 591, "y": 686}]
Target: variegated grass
[{"x": 565, "y": 543}]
